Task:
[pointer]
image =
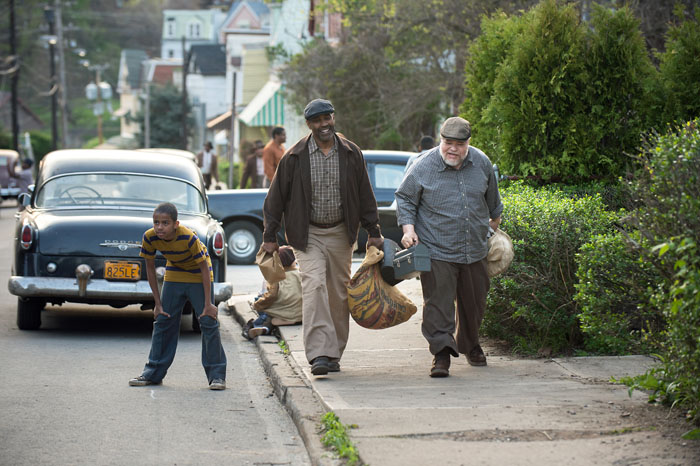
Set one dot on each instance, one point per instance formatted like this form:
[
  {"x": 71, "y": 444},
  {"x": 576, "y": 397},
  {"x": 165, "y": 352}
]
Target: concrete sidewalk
[{"x": 514, "y": 411}]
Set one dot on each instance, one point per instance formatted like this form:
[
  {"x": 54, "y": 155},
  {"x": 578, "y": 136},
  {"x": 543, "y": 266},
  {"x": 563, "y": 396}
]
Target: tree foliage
[
  {"x": 680, "y": 69},
  {"x": 558, "y": 98},
  {"x": 397, "y": 70},
  {"x": 166, "y": 118}
]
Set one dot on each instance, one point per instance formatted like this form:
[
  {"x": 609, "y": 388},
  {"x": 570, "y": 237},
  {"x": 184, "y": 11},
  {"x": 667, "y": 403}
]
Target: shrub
[
  {"x": 552, "y": 97},
  {"x": 532, "y": 305},
  {"x": 680, "y": 69},
  {"x": 666, "y": 192},
  {"x": 613, "y": 291}
]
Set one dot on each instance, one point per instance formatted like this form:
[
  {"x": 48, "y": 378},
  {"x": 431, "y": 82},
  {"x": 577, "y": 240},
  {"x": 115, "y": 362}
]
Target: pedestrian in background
[
  {"x": 448, "y": 201},
  {"x": 25, "y": 177},
  {"x": 254, "y": 168},
  {"x": 323, "y": 191},
  {"x": 273, "y": 152},
  {"x": 426, "y": 143},
  {"x": 207, "y": 162},
  {"x": 188, "y": 277}
]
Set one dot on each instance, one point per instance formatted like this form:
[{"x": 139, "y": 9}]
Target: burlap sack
[
  {"x": 373, "y": 303},
  {"x": 270, "y": 266},
  {"x": 500, "y": 253}
]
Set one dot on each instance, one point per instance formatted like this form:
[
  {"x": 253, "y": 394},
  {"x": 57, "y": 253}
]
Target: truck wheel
[
  {"x": 244, "y": 239},
  {"x": 29, "y": 313}
]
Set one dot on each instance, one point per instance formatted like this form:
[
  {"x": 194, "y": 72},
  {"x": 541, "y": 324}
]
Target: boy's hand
[
  {"x": 210, "y": 310},
  {"x": 158, "y": 310}
]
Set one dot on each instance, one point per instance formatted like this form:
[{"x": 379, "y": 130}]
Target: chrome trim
[{"x": 66, "y": 288}]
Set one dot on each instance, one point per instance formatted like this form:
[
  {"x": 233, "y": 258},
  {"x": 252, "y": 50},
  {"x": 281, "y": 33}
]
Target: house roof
[
  {"x": 259, "y": 8},
  {"x": 209, "y": 59},
  {"x": 132, "y": 60}
]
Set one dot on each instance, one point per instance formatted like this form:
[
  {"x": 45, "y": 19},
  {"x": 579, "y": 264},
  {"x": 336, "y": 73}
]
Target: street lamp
[
  {"x": 98, "y": 91},
  {"x": 50, "y": 17}
]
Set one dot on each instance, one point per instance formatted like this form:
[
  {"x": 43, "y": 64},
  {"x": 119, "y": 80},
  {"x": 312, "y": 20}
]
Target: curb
[{"x": 290, "y": 385}]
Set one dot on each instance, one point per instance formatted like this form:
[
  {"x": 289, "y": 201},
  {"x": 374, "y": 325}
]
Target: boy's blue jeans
[{"x": 166, "y": 331}]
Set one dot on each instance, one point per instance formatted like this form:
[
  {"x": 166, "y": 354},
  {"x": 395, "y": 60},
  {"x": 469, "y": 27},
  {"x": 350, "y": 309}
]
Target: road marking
[{"x": 153, "y": 394}]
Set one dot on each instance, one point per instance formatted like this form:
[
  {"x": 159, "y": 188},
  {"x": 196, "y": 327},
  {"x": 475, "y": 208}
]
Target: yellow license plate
[{"x": 122, "y": 270}]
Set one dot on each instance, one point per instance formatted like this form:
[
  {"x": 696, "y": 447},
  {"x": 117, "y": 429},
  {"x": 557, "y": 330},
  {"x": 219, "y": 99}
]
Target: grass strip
[{"x": 335, "y": 436}]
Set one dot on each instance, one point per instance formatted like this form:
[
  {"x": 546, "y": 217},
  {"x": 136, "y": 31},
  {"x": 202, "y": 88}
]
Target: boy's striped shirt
[{"x": 184, "y": 254}]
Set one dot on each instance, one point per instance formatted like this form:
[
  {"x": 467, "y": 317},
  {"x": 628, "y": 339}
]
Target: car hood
[{"x": 101, "y": 232}]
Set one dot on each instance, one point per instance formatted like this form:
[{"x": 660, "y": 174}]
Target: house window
[
  {"x": 171, "y": 53},
  {"x": 194, "y": 30},
  {"x": 170, "y": 27}
]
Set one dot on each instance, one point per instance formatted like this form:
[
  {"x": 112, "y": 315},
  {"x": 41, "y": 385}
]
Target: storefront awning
[{"x": 266, "y": 108}]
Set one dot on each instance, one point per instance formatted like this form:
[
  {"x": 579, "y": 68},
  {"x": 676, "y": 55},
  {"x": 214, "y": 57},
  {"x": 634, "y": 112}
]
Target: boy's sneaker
[
  {"x": 141, "y": 381},
  {"x": 217, "y": 384}
]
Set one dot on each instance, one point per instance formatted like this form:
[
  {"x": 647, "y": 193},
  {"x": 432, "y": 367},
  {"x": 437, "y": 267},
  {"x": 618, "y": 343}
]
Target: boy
[{"x": 188, "y": 277}]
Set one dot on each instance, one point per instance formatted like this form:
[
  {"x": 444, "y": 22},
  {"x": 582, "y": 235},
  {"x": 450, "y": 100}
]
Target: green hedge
[
  {"x": 614, "y": 286},
  {"x": 667, "y": 193},
  {"x": 531, "y": 305}
]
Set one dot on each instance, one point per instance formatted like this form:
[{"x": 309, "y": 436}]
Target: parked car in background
[
  {"x": 240, "y": 210},
  {"x": 8, "y": 185},
  {"x": 79, "y": 237}
]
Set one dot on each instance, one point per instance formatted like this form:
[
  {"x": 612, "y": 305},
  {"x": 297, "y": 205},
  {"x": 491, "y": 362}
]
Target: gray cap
[
  {"x": 318, "y": 107},
  {"x": 456, "y": 128}
]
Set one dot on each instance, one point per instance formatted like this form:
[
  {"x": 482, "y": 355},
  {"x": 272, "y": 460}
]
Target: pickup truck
[{"x": 240, "y": 210}]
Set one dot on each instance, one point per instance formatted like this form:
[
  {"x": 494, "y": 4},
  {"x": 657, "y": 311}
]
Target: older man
[
  {"x": 322, "y": 189},
  {"x": 447, "y": 201}
]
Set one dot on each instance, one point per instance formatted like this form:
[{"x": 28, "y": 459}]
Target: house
[
  {"x": 195, "y": 26},
  {"x": 206, "y": 84},
  {"x": 129, "y": 86}
]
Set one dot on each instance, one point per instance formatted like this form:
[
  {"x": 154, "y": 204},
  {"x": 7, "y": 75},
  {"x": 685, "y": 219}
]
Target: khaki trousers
[
  {"x": 325, "y": 273},
  {"x": 469, "y": 283}
]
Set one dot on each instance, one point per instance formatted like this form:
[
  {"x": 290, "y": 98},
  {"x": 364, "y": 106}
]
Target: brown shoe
[
  {"x": 441, "y": 364},
  {"x": 476, "y": 356}
]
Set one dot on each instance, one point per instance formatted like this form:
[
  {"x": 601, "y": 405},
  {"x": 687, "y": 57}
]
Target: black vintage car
[
  {"x": 79, "y": 235},
  {"x": 240, "y": 210}
]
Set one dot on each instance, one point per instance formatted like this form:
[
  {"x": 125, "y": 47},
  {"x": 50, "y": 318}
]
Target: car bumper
[{"x": 51, "y": 287}]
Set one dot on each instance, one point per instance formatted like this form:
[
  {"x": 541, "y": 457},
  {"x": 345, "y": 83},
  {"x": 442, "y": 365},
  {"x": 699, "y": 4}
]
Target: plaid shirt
[
  {"x": 450, "y": 208},
  {"x": 326, "y": 203}
]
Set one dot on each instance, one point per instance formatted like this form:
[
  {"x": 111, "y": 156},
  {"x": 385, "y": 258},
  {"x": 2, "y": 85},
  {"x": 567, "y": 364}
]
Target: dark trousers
[
  {"x": 166, "y": 331},
  {"x": 469, "y": 283}
]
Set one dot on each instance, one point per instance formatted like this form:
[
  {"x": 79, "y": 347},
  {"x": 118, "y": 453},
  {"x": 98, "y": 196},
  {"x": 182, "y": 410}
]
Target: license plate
[{"x": 122, "y": 270}]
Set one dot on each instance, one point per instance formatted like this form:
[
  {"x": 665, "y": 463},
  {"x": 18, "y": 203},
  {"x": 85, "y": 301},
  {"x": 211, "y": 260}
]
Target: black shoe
[
  {"x": 441, "y": 364},
  {"x": 333, "y": 366},
  {"x": 319, "y": 366},
  {"x": 476, "y": 356}
]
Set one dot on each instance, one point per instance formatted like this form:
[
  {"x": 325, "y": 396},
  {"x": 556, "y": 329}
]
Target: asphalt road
[{"x": 64, "y": 396}]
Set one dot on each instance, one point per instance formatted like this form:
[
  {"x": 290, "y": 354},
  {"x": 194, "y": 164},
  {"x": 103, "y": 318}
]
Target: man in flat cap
[
  {"x": 322, "y": 190},
  {"x": 448, "y": 201}
]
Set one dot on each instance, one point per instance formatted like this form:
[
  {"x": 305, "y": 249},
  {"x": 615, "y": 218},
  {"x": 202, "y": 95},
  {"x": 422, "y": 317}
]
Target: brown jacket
[
  {"x": 290, "y": 195},
  {"x": 250, "y": 171}
]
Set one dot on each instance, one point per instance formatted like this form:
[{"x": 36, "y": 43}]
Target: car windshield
[{"x": 118, "y": 190}]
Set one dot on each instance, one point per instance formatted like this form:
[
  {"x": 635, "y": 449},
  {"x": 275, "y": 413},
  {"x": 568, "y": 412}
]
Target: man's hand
[
  {"x": 158, "y": 310},
  {"x": 376, "y": 242},
  {"x": 494, "y": 222},
  {"x": 270, "y": 246},
  {"x": 210, "y": 310},
  {"x": 409, "y": 238}
]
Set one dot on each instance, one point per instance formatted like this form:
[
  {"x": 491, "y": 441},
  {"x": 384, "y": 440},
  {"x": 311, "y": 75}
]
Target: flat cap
[
  {"x": 318, "y": 107},
  {"x": 456, "y": 128}
]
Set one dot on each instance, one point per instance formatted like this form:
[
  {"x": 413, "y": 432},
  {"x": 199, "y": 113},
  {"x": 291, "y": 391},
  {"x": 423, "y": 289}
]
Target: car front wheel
[
  {"x": 29, "y": 313},
  {"x": 244, "y": 239}
]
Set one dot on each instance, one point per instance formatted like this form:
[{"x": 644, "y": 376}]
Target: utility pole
[
  {"x": 147, "y": 117},
  {"x": 62, "y": 101},
  {"x": 15, "y": 78},
  {"x": 231, "y": 138},
  {"x": 50, "y": 19},
  {"x": 185, "y": 66}
]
